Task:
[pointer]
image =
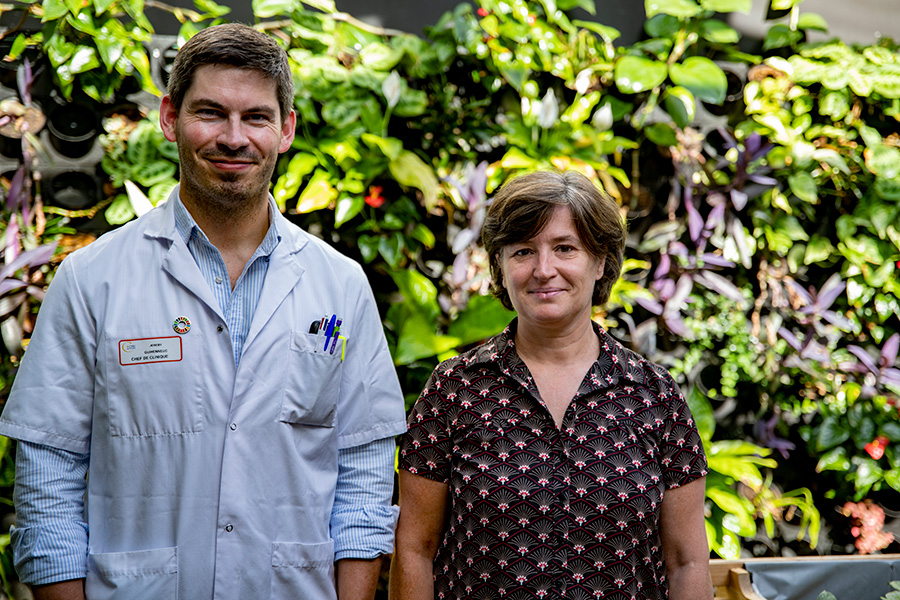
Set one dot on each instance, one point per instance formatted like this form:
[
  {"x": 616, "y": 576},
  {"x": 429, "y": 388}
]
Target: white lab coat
[{"x": 206, "y": 480}]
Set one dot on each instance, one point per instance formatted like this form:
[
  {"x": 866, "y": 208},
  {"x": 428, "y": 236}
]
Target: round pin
[{"x": 181, "y": 325}]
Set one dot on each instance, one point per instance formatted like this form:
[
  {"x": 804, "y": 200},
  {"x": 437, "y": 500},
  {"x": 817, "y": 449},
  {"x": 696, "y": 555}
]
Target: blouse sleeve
[
  {"x": 426, "y": 448},
  {"x": 681, "y": 452}
]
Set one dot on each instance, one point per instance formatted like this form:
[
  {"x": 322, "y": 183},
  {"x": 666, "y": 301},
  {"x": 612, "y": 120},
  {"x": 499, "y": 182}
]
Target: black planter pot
[{"x": 73, "y": 129}]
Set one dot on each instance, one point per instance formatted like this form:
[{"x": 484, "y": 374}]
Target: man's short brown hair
[
  {"x": 235, "y": 45},
  {"x": 524, "y": 206}
]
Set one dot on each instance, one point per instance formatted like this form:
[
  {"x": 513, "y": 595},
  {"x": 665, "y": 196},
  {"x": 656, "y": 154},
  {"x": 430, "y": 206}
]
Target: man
[{"x": 222, "y": 375}]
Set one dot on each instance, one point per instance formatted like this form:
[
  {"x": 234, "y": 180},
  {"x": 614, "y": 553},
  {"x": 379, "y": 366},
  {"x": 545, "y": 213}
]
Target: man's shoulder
[{"x": 314, "y": 250}]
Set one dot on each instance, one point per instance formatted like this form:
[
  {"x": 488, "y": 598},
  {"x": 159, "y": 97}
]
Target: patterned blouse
[{"x": 544, "y": 512}]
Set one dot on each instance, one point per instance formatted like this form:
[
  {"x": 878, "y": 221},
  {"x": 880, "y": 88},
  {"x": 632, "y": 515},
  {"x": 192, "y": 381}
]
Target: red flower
[
  {"x": 531, "y": 19},
  {"x": 483, "y": 12},
  {"x": 375, "y": 199},
  {"x": 876, "y": 447}
]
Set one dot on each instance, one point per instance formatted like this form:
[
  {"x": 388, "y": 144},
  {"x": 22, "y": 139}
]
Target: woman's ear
[{"x": 600, "y": 267}]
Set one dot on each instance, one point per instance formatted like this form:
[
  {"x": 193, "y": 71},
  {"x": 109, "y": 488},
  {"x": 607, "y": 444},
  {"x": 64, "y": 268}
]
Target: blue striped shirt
[{"x": 51, "y": 536}]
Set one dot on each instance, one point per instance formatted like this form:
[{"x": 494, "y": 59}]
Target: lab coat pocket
[
  {"x": 154, "y": 383},
  {"x": 313, "y": 381},
  {"x": 140, "y": 575},
  {"x": 303, "y": 570}
]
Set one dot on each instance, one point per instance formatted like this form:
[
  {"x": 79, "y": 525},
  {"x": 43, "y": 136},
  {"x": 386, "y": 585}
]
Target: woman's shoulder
[{"x": 623, "y": 362}]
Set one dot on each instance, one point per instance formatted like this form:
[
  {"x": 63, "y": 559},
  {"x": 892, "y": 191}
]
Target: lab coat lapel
[
  {"x": 281, "y": 277},
  {"x": 177, "y": 260}
]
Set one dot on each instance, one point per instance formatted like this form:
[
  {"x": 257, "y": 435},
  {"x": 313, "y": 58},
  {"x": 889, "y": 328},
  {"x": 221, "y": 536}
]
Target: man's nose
[{"x": 232, "y": 134}]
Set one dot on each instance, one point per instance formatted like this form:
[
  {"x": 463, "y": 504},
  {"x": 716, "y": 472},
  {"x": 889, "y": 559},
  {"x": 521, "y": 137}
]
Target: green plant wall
[{"x": 760, "y": 180}]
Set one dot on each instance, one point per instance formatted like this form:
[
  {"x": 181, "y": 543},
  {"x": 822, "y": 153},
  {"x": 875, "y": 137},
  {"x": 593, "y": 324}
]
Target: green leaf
[
  {"x": 817, "y": 250},
  {"x": 727, "y": 6},
  {"x": 717, "y": 32},
  {"x": 380, "y": 57},
  {"x": 347, "y": 207},
  {"x": 158, "y": 171},
  {"x": 887, "y": 189},
  {"x": 417, "y": 340},
  {"x": 119, "y": 211},
  {"x": 892, "y": 478},
  {"x": 610, "y": 34},
  {"x": 340, "y": 114},
  {"x": 483, "y": 317},
  {"x": 391, "y": 249},
  {"x": 661, "y": 134},
  {"x": 635, "y": 74},
  {"x": 803, "y": 185},
  {"x": 834, "y": 460},
  {"x": 368, "y": 247},
  {"x": 679, "y": 103},
  {"x": 683, "y": 9},
  {"x": 18, "y": 46},
  {"x": 868, "y": 473},
  {"x": 288, "y": 184},
  {"x": 419, "y": 291},
  {"x": 884, "y": 161},
  {"x": 266, "y": 9},
  {"x": 891, "y": 430},
  {"x": 830, "y": 433},
  {"x": 825, "y": 595},
  {"x": 814, "y": 21},
  {"x": 780, "y": 36},
  {"x": 411, "y": 171},
  {"x": 835, "y": 104},
  {"x": 317, "y": 194},
  {"x": 53, "y": 9},
  {"x": 702, "y": 411},
  {"x": 662, "y": 26},
  {"x": 423, "y": 234},
  {"x": 704, "y": 78},
  {"x": 390, "y": 147},
  {"x": 84, "y": 59}
]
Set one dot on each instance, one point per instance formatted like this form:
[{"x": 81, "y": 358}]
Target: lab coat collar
[{"x": 282, "y": 276}]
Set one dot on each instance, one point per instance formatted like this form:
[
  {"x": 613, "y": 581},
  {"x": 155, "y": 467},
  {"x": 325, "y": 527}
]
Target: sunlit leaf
[
  {"x": 636, "y": 74},
  {"x": 683, "y": 9},
  {"x": 704, "y": 78},
  {"x": 317, "y": 194}
]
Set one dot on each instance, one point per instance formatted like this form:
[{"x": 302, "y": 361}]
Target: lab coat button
[
  {"x": 220, "y": 329},
  {"x": 229, "y": 528},
  {"x": 233, "y": 426}
]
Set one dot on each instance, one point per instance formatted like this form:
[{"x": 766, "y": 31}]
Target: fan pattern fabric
[{"x": 546, "y": 512}]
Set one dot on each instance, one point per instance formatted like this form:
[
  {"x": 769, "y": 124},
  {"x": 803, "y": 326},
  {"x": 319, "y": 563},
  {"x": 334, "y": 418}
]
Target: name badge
[{"x": 149, "y": 350}]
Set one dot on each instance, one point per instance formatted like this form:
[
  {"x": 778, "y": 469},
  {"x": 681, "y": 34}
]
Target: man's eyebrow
[{"x": 210, "y": 103}]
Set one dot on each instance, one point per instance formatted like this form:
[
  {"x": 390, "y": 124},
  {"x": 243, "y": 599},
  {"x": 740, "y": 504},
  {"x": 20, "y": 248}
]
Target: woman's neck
[{"x": 557, "y": 345}]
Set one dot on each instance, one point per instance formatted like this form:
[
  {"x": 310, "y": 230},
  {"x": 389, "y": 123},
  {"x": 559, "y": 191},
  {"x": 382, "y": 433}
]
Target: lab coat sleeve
[
  {"x": 50, "y": 538},
  {"x": 51, "y": 401},
  {"x": 362, "y": 521},
  {"x": 370, "y": 405}
]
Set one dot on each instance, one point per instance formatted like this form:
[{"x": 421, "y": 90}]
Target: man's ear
[
  {"x": 288, "y": 129},
  {"x": 168, "y": 115}
]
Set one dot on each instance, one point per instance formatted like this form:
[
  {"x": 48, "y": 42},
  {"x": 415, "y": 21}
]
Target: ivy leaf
[
  {"x": 266, "y": 9},
  {"x": 679, "y": 102},
  {"x": 727, "y": 6},
  {"x": 346, "y": 208},
  {"x": 814, "y": 21},
  {"x": 683, "y": 9},
  {"x": 704, "y": 78},
  {"x": 410, "y": 170},
  {"x": 318, "y": 194},
  {"x": 635, "y": 74},
  {"x": 803, "y": 185},
  {"x": 780, "y": 36}
]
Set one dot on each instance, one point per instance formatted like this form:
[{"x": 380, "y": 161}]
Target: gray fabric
[{"x": 858, "y": 579}]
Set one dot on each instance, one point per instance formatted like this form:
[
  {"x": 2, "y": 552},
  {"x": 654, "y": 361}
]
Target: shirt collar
[
  {"x": 614, "y": 362},
  {"x": 187, "y": 227}
]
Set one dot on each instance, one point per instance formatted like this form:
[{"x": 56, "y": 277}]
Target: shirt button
[
  {"x": 229, "y": 528},
  {"x": 233, "y": 426},
  {"x": 218, "y": 280},
  {"x": 220, "y": 329}
]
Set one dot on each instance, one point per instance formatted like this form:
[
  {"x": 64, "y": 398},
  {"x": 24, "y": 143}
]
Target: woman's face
[{"x": 550, "y": 278}]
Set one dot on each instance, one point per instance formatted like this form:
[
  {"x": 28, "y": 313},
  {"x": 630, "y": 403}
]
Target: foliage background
[{"x": 760, "y": 180}]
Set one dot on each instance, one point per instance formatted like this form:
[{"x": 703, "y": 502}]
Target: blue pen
[
  {"x": 328, "y": 331},
  {"x": 337, "y": 330}
]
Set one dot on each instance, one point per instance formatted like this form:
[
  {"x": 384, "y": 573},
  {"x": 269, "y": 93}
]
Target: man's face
[{"x": 229, "y": 133}]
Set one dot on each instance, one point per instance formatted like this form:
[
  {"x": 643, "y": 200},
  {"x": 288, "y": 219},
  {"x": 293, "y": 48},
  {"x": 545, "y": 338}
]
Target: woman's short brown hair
[{"x": 524, "y": 206}]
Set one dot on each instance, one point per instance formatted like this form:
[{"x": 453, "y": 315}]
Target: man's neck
[{"x": 236, "y": 235}]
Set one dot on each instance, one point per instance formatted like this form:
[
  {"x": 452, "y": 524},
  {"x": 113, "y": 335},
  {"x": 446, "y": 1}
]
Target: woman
[{"x": 551, "y": 462}]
